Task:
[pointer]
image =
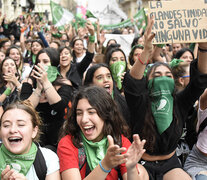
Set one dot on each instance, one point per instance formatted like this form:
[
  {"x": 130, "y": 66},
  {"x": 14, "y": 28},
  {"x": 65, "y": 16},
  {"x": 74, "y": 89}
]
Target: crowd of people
[{"x": 72, "y": 108}]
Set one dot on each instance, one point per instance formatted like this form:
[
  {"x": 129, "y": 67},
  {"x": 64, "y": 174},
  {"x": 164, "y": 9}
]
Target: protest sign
[{"x": 179, "y": 21}]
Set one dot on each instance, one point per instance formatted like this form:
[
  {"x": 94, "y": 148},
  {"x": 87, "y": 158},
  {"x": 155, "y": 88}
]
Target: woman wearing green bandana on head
[
  {"x": 93, "y": 142},
  {"x": 49, "y": 93},
  {"x": 157, "y": 112},
  {"x": 19, "y": 129}
]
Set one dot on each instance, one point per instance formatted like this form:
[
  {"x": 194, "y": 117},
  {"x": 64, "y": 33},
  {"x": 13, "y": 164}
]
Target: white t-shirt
[
  {"x": 202, "y": 137},
  {"x": 52, "y": 163}
]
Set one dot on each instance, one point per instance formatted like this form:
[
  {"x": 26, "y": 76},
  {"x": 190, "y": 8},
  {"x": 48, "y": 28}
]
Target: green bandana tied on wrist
[
  {"x": 95, "y": 151},
  {"x": 175, "y": 62},
  {"x": 52, "y": 73},
  {"x": 117, "y": 69},
  {"x": 19, "y": 162},
  {"x": 161, "y": 90}
]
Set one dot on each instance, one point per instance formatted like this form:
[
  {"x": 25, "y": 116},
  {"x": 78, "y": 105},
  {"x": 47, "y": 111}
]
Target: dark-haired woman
[
  {"x": 49, "y": 93},
  {"x": 93, "y": 137},
  {"x": 157, "y": 113},
  {"x": 9, "y": 82}
]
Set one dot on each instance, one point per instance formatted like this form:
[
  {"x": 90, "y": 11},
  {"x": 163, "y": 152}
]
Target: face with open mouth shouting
[
  {"x": 17, "y": 131},
  {"x": 89, "y": 122},
  {"x": 102, "y": 77}
]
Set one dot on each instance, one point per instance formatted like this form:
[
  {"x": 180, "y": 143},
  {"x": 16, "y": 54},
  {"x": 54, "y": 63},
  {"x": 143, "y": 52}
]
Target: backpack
[{"x": 39, "y": 164}]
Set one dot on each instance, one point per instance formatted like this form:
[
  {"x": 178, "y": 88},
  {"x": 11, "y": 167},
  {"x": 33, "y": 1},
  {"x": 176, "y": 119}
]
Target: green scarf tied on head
[
  {"x": 161, "y": 90},
  {"x": 95, "y": 151},
  {"x": 117, "y": 69},
  {"x": 19, "y": 162},
  {"x": 52, "y": 73}
]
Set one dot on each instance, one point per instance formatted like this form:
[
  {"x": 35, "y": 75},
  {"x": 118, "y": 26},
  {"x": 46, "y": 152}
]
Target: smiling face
[
  {"x": 36, "y": 47},
  {"x": 15, "y": 54},
  {"x": 65, "y": 58},
  {"x": 89, "y": 122},
  {"x": 9, "y": 66},
  {"x": 78, "y": 46},
  {"x": 102, "y": 77},
  {"x": 17, "y": 131}
]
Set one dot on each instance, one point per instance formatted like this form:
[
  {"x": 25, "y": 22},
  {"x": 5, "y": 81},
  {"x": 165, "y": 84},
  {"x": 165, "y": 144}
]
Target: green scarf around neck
[
  {"x": 161, "y": 90},
  {"x": 95, "y": 152},
  {"x": 21, "y": 163},
  {"x": 117, "y": 69}
]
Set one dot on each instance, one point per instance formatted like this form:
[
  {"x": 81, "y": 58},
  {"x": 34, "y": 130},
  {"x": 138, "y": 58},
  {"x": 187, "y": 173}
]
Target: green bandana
[
  {"x": 33, "y": 59},
  {"x": 175, "y": 62},
  {"x": 117, "y": 69},
  {"x": 20, "y": 163},
  {"x": 95, "y": 152},
  {"x": 52, "y": 73},
  {"x": 161, "y": 89}
]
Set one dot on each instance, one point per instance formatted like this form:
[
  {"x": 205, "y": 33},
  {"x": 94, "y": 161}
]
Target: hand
[
  {"x": 90, "y": 27},
  {"x": 10, "y": 77},
  {"x": 40, "y": 74},
  {"x": 102, "y": 38},
  {"x": 113, "y": 155},
  {"x": 11, "y": 174},
  {"x": 148, "y": 35},
  {"x": 135, "y": 152}
]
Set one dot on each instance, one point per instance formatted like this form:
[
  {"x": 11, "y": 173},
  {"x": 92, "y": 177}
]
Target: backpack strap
[
  {"x": 40, "y": 164},
  {"x": 202, "y": 125}
]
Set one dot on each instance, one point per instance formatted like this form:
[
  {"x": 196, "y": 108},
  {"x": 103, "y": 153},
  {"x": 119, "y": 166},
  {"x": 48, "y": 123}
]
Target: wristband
[
  {"x": 160, "y": 45},
  {"x": 7, "y": 92},
  {"x": 92, "y": 39},
  {"x": 142, "y": 61},
  {"x": 47, "y": 88},
  {"x": 202, "y": 50},
  {"x": 104, "y": 170}
]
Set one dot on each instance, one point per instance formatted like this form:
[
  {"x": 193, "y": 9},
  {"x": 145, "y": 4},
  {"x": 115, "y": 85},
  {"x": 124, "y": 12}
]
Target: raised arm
[
  {"x": 202, "y": 57},
  {"x": 138, "y": 68},
  {"x": 91, "y": 43}
]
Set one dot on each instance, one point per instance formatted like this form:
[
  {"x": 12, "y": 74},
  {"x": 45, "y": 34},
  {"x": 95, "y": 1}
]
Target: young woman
[
  {"x": 93, "y": 144},
  {"x": 100, "y": 75},
  {"x": 49, "y": 93},
  {"x": 19, "y": 129},
  {"x": 9, "y": 82},
  {"x": 158, "y": 114},
  {"x": 135, "y": 53}
]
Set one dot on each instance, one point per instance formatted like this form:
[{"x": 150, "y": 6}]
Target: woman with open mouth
[
  {"x": 94, "y": 142},
  {"x": 19, "y": 151}
]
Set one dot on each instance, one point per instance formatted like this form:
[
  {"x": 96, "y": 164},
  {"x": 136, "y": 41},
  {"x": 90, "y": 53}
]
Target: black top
[
  {"x": 52, "y": 115},
  {"x": 75, "y": 73},
  {"x": 136, "y": 94}
]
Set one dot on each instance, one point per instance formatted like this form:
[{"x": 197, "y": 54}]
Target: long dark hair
[
  {"x": 106, "y": 109},
  {"x": 149, "y": 130}
]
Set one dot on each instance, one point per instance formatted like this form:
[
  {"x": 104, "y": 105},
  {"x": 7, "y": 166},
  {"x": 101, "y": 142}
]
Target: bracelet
[
  {"x": 37, "y": 94},
  {"x": 142, "y": 61},
  {"x": 137, "y": 168},
  {"x": 19, "y": 87},
  {"x": 7, "y": 92},
  {"x": 104, "y": 170},
  {"x": 45, "y": 89},
  {"x": 202, "y": 50},
  {"x": 92, "y": 39}
]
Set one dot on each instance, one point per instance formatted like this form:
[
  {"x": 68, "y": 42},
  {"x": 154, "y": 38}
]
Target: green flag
[
  {"x": 60, "y": 15},
  {"x": 89, "y": 14}
]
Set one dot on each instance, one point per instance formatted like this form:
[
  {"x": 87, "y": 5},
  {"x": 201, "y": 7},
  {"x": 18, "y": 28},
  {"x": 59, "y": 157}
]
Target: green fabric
[
  {"x": 175, "y": 62},
  {"x": 89, "y": 14},
  {"x": 95, "y": 152},
  {"x": 21, "y": 163},
  {"x": 117, "y": 69},
  {"x": 161, "y": 90},
  {"x": 52, "y": 73},
  {"x": 33, "y": 59}
]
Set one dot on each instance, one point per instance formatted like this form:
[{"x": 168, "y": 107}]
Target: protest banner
[{"x": 179, "y": 21}]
